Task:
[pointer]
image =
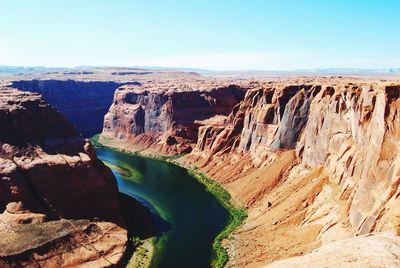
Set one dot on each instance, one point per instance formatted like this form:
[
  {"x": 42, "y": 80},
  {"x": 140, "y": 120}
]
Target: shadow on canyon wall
[{"x": 84, "y": 103}]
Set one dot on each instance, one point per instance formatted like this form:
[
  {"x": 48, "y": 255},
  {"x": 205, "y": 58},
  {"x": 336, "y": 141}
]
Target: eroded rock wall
[
  {"x": 313, "y": 161},
  {"x": 353, "y": 132},
  {"x": 268, "y": 118},
  {"x": 84, "y": 103},
  {"x": 52, "y": 189},
  {"x": 168, "y": 121},
  {"x": 349, "y": 131}
]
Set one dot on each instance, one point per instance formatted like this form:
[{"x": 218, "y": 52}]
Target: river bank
[
  {"x": 236, "y": 214},
  {"x": 143, "y": 254},
  {"x": 141, "y": 228}
]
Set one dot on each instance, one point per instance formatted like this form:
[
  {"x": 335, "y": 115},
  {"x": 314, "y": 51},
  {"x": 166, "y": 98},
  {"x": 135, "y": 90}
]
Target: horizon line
[{"x": 202, "y": 69}]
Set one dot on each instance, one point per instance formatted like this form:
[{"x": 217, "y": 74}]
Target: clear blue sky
[{"x": 214, "y": 34}]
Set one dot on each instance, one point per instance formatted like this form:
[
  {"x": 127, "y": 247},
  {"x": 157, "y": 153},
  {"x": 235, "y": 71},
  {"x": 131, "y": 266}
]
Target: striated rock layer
[
  {"x": 313, "y": 161},
  {"x": 341, "y": 180},
  {"x": 84, "y": 103},
  {"x": 165, "y": 121},
  {"x": 52, "y": 190}
]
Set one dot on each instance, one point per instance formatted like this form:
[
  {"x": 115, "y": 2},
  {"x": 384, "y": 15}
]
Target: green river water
[{"x": 192, "y": 217}]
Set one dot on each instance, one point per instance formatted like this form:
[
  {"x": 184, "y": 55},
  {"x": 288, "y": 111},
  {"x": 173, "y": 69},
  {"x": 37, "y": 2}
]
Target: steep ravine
[{"x": 312, "y": 162}]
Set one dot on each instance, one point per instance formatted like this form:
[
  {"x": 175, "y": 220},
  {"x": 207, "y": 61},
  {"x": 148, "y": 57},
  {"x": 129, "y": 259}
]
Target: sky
[{"x": 208, "y": 34}]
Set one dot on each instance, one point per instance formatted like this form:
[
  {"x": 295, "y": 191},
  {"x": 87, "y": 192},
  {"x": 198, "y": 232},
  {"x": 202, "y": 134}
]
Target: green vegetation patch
[
  {"x": 95, "y": 141},
  {"x": 236, "y": 216}
]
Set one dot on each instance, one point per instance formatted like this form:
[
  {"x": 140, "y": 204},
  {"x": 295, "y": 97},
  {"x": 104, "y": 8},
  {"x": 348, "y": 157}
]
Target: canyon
[
  {"x": 313, "y": 160},
  {"x": 84, "y": 96},
  {"x": 84, "y": 103},
  {"x": 52, "y": 188}
]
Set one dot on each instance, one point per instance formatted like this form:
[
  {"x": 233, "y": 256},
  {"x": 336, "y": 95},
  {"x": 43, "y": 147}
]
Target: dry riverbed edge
[{"x": 236, "y": 213}]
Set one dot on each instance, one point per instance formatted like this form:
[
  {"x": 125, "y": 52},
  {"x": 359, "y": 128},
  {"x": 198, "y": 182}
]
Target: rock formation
[
  {"x": 84, "y": 96},
  {"x": 346, "y": 142},
  {"x": 52, "y": 191},
  {"x": 368, "y": 251},
  {"x": 84, "y": 103},
  {"x": 356, "y": 138},
  {"x": 313, "y": 160},
  {"x": 166, "y": 121}
]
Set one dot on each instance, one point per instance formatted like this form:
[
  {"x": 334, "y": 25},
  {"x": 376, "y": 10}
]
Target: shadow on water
[{"x": 141, "y": 220}]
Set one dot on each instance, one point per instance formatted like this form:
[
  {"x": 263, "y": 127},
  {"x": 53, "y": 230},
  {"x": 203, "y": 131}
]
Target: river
[{"x": 192, "y": 216}]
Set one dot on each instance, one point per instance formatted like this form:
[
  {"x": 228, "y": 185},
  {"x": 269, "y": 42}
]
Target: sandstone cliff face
[
  {"x": 347, "y": 132},
  {"x": 260, "y": 122},
  {"x": 313, "y": 161},
  {"x": 167, "y": 122},
  {"x": 83, "y": 103},
  {"x": 356, "y": 138},
  {"x": 52, "y": 190}
]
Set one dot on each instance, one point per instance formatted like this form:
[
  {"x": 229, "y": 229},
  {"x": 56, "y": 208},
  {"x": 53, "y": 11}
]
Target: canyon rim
[
  {"x": 312, "y": 160},
  {"x": 199, "y": 134}
]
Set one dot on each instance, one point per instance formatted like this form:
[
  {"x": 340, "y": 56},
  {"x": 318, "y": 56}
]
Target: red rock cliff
[
  {"x": 343, "y": 180},
  {"x": 312, "y": 160},
  {"x": 165, "y": 121},
  {"x": 52, "y": 191},
  {"x": 353, "y": 132}
]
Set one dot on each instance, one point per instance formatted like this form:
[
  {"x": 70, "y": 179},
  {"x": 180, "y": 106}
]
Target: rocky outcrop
[
  {"x": 84, "y": 103},
  {"x": 52, "y": 190},
  {"x": 165, "y": 121}
]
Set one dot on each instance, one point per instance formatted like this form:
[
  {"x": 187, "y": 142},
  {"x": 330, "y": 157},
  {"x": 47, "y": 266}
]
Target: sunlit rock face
[
  {"x": 312, "y": 160},
  {"x": 375, "y": 250},
  {"x": 268, "y": 119},
  {"x": 353, "y": 132},
  {"x": 165, "y": 120},
  {"x": 345, "y": 137},
  {"x": 350, "y": 130},
  {"x": 52, "y": 189}
]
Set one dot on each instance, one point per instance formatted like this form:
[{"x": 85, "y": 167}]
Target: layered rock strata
[
  {"x": 165, "y": 121},
  {"x": 84, "y": 103},
  {"x": 52, "y": 189},
  {"x": 313, "y": 161},
  {"x": 344, "y": 142}
]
